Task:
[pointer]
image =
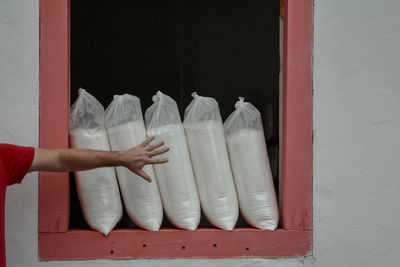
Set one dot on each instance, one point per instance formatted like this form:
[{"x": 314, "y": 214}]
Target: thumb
[{"x": 144, "y": 175}]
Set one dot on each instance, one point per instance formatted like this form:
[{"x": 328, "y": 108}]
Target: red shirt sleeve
[{"x": 16, "y": 160}]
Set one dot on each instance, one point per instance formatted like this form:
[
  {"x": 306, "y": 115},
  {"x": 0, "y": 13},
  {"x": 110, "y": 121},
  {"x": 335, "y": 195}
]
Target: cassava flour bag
[
  {"x": 98, "y": 188},
  {"x": 212, "y": 170},
  {"x": 175, "y": 178},
  {"x": 250, "y": 166},
  {"x": 125, "y": 127}
]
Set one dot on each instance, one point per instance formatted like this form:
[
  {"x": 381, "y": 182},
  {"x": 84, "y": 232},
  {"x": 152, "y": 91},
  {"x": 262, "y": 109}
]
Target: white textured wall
[
  {"x": 19, "y": 94},
  {"x": 356, "y": 131}
]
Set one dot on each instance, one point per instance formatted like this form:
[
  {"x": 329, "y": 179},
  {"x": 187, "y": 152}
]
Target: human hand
[{"x": 137, "y": 157}]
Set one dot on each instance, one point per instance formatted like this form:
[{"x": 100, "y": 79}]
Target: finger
[
  {"x": 147, "y": 141},
  {"x": 159, "y": 151},
  {"x": 156, "y": 145},
  {"x": 144, "y": 175},
  {"x": 157, "y": 161}
]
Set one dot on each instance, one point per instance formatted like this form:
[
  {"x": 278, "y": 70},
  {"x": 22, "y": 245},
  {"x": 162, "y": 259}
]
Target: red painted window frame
[{"x": 58, "y": 242}]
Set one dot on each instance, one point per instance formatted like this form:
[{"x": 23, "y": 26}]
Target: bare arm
[{"x": 64, "y": 160}]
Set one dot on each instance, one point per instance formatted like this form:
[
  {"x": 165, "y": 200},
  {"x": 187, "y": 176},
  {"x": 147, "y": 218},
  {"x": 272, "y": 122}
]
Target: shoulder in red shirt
[{"x": 15, "y": 162}]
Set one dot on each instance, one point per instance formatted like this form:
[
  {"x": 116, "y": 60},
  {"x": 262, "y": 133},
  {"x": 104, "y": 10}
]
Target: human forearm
[
  {"x": 63, "y": 160},
  {"x": 84, "y": 159}
]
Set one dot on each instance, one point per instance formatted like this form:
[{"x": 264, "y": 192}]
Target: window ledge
[{"x": 82, "y": 244}]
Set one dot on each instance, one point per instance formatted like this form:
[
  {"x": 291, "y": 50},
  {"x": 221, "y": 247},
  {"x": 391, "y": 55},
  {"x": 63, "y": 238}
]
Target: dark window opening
[{"x": 223, "y": 49}]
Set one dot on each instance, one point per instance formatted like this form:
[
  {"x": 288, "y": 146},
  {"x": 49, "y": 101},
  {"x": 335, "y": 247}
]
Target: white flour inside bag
[
  {"x": 209, "y": 155},
  {"x": 250, "y": 166},
  {"x": 125, "y": 127},
  {"x": 175, "y": 178},
  {"x": 98, "y": 190}
]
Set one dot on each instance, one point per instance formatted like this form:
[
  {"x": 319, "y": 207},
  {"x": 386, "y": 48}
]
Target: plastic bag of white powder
[
  {"x": 209, "y": 155},
  {"x": 250, "y": 166},
  {"x": 125, "y": 127},
  {"x": 175, "y": 178},
  {"x": 98, "y": 188}
]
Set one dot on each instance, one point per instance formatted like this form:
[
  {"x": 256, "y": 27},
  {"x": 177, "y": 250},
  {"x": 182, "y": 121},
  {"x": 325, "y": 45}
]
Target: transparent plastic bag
[
  {"x": 250, "y": 166},
  {"x": 125, "y": 128},
  {"x": 175, "y": 178},
  {"x": 210, "y": 160},
  {"x": 98, "y": 188}
]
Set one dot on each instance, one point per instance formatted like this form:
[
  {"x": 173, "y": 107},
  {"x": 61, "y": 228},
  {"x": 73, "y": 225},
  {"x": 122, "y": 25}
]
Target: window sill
[{"x": 82, "y": 244}]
